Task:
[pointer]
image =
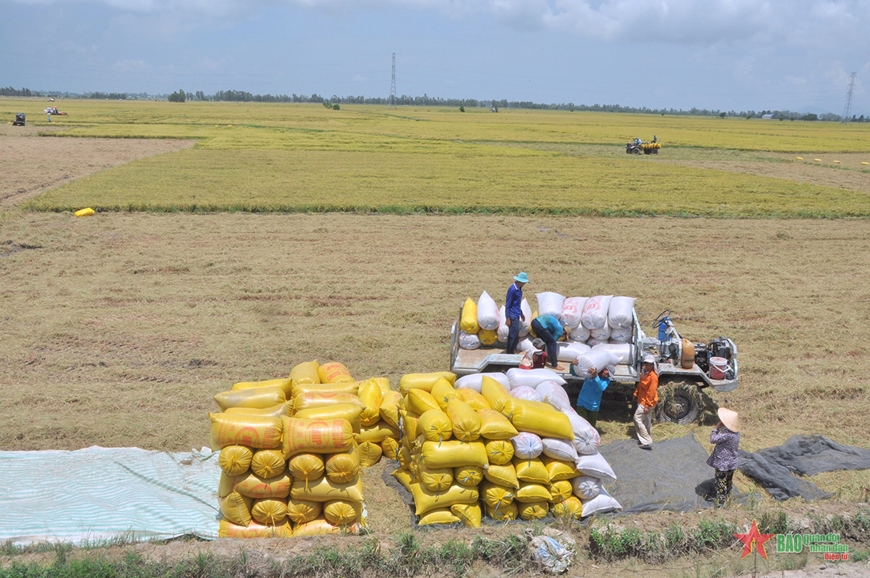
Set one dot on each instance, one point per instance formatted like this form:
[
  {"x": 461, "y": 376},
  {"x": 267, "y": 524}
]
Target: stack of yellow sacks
[
  {"x": 457, "y": 453},
  {"x": 291, "y": 450}
]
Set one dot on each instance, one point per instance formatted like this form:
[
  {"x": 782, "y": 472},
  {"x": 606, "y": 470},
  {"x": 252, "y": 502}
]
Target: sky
[{"x": 725, "y": 55}]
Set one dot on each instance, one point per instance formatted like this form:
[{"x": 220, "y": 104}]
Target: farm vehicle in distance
[
  {"x": 638, "y": 146},
  {"x": 685, "y": 369}
]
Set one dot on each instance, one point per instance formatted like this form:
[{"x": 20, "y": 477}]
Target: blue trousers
[{"x": 513, "y": 335}]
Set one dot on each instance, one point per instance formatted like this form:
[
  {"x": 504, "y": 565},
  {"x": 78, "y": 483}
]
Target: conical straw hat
[{"x": 729, "y": 419}]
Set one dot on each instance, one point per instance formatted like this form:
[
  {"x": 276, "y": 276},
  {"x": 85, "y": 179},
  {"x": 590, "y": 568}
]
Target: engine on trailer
[{"x": 718, "y": 347}]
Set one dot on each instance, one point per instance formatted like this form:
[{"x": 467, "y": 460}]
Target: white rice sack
[
  {"x": 586, "y": 487},
  {"x": 623, "y": 351},
  {"x": 469, "y": 340},
  {"x": 559, "y": 449},
  {"x": 619, "y": 312},
  {"x": 526, "y": 346},
  {"x": 592, "y": 342},
  {"x": 620, "y": 334},
  {"x": 572, "y": 309},
  {"x": 554, "y": 394},
  {"x": 597, "y": 467},
  {"x": 527, "y": 312},
  {"x": 600, "y": 504},
  {"x": 550, "y": 303},
  {"x": 602, "y": 334},
  {"x": 597, "y": 358},
  {"x": 525, "y": 392},
  {"x": 487, "y": 312},
  {"x": 532, "y": 377},
  {"x": 503, "y": 329},
  {"x": 475, "y": 380},
  {"x": 594, "y": 314},
  {"x": 586, "y": 438},
  {"x": 527, "y": 446},
  {"x": 569, "y": 351},
  {"x": 579, "y": 334}
]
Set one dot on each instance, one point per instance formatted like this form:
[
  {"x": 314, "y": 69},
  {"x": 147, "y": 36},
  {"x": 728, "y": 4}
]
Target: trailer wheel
[{"x": 679, "y": 402}]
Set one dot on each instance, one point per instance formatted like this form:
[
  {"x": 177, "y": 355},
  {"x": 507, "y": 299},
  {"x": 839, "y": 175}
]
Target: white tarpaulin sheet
[{"x": 103, "y": 493}]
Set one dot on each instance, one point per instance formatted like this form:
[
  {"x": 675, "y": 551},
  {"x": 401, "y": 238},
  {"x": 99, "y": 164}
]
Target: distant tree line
[{"x": 426, "y": 100}]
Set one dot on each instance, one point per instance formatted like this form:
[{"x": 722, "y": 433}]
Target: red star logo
[{"x": 756, "y": 538}]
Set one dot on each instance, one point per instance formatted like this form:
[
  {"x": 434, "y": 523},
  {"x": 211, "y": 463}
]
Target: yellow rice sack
[
  {"x": 495, "y": 394},
  {"x": 504, "y": 475},
  {"x": 466, "y": 422},
  {"x": 236, "y": 508},
  {"x": 304, "y": 374},
  {"x": 284, "y": 383},
  {"x": 443, "y": 392},
  {"x": 316, "y": 436},
  {"x": 404, "y": 477},
  {"x": 502, "y": 513},
  {"x": 227, "y": 484},
  {"x": 532, "y": 493},
  {"x": 571, "y": 507},
  {"x": 302, "y": 511},
  {"x": 342, "y": 387},
  {"x": 487, "y": 336},
  {"x": 435, "y": 479},
  {"x": 253, "y": 431},
  {"x": 426, "y": 501},
  {"x": 321, "y": 527},
  {"x": 472, "y": 398},
  {"x": 532, "y": 470},
  {"x": 311, "y": 400},
  {"x": 227, "y": 529},
  {"x": 468, "y": 320},
  {"x": 533, "y": 510},
  {"x": 468, "y": 475},
  {"x": 235, "y": 460},
  {"x": 423, "y": 381},
  {"x": 269, "y": 512},
  {"x": 344, "y": 467},
  {"x": 390, "y": 448},
  {"x": 419, "y": 401},
  {"x": 499, "y": 452},
  {"x": 334, "y": 372},
  {"x": 495, "y": 495},
  {"x": 342, "y": 512},
  {"x": 261, "y": 397},
  {"x": 438, "y": 516},
  {"x": 389, "y": 408},
  {"x": 253, "y": 486},
  {"x": 409, "y": 423},
  {"x": 560, "y": 470},
  {"x": 542, "y": 419},
  {"x": 468, "y": 514},
  {"x": 348, "y": 412},
  {"x": 494, "y": 425},
  {"x": 268, "y": 463},
  {"x": 278, "y": 410},
  {"x": 306, "y": 467},
  {"x": 435, "y": 426},
  {"x": 324, "y": 490},
  {"x": 404, "y": 458},
  {"x": 383, "y": 383},
  {"x": 369, "y": 454},
  {"x": 371, "y": 397},
  {"x": 561, "y": 490},
  {"x": 377, "y": 433},
  {"x": 454, "y": 454}
]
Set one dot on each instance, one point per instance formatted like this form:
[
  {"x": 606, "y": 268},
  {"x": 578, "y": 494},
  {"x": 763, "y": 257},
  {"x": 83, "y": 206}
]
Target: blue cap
[{"x": 522, "y": 277}]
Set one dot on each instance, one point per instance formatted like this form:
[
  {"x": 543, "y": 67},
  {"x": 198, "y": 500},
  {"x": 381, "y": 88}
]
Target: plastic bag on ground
[
  {"x": 594, "y": 314},
  {"x": 532, "y": 377},
  {"x": 572, "y": 309},
  {"x": 619, "y": 313},
  {"x": 550, "y": 554},
  {"x": 487, "y": 312},
  {"x": 550, "y": 303}
]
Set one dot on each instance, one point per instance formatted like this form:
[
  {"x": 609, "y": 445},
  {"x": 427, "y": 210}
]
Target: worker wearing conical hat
[{"x": 726, "y": 437}]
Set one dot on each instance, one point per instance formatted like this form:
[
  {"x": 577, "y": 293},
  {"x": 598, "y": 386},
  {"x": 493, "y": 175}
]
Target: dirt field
[{"x": 118, "y": 329}]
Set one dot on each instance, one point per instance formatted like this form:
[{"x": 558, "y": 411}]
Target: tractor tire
[
  {"x": 636, "y": 151},
  {"x": 679, "y": 402}
]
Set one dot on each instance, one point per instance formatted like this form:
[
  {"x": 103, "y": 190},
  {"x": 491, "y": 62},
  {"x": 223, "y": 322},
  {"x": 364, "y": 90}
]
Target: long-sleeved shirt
[
  {"x": 724, "y": 456},
  {"x": 513, "y": 303},
  {"x": 647, "y": 391},
  {"x": 590, "y": 393},
  {"x": 552, "y": 325}
]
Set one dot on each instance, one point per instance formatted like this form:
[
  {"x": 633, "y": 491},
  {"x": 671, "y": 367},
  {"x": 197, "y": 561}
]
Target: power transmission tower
[
  {"x": 393, "y": 84},
  {"x": 847, "y": 110}
]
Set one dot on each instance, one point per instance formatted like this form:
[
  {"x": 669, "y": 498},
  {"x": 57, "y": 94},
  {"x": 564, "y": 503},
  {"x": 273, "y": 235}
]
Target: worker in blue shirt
[
  {"x": 513, "y": 311},
  {"x": 589, "y": 400},
  {"x": 549, "y": 329}
]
